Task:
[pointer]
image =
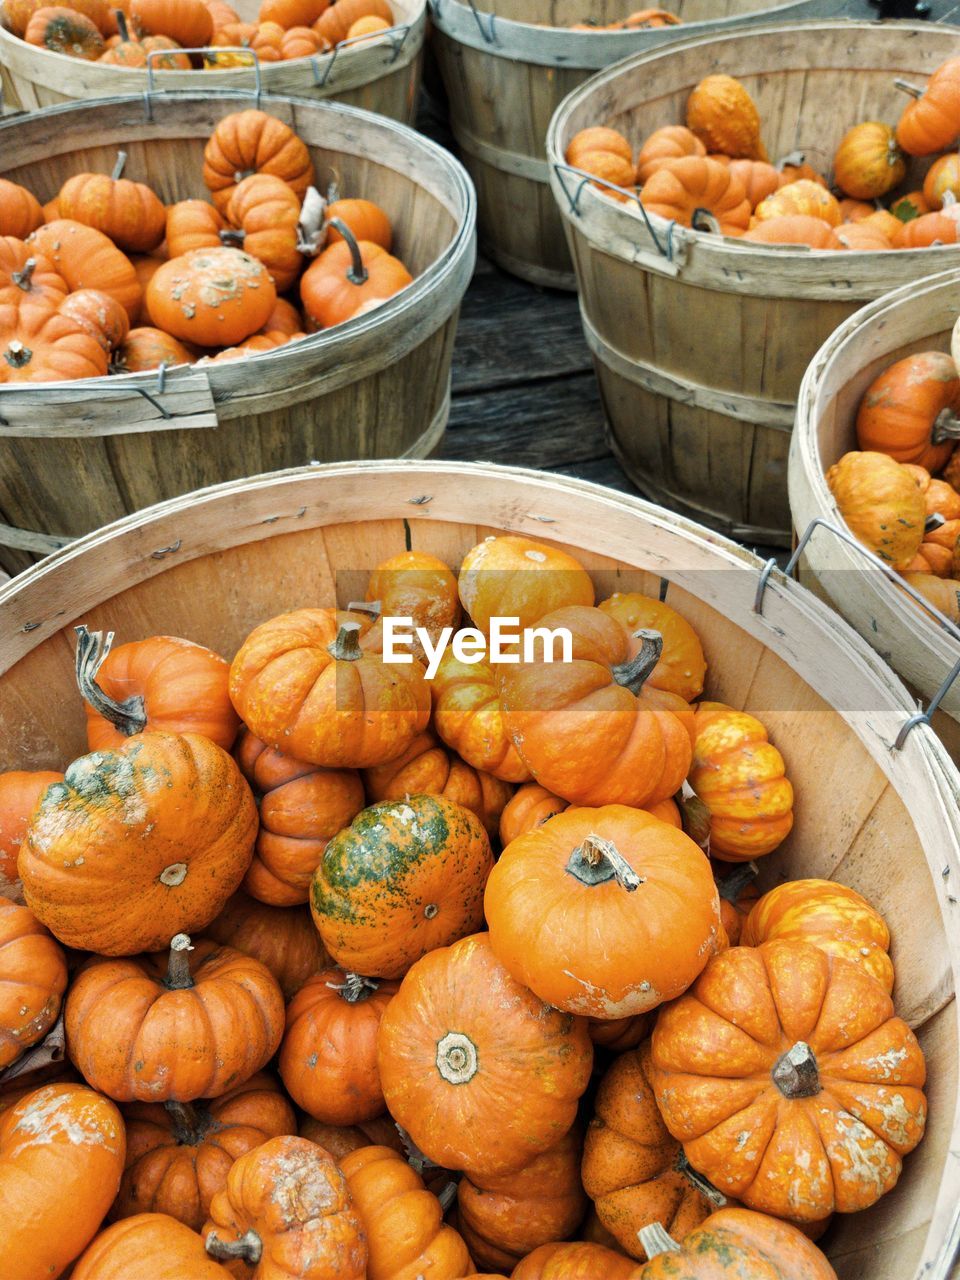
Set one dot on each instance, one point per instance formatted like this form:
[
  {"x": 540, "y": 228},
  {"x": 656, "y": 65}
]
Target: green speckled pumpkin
[{"x": 405, "y": 877}]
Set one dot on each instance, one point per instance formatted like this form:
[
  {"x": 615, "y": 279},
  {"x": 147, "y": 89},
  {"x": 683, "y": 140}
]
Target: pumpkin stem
[
  {"x": 703, "y": 220},
  {"x": 354, "y": 989},
  {"x": 178, "y": 966},
  {"x": 655, "y": 1240},
  {"x": 731, "y": 886},
  {"x": 17, "y": 355},
  {"x": 121, "y": 158},
  {"x": 311, "y": 228},
  {"x": 415, "y": 1157},
  {"x": 945, "y": 427},
  {"x": 186, "y": 1123},
  {"x": 906, "y": 87},
  {"x": 346, "y": 647},
  {"x": 124, "y": 31},
  {"x": 128, "y": 717},
  {"x": 796, "y": 1074},
  {"x": 447, "y": 1195},
  {"x": 932, "y": 522},
  {"x": 357, "y": 272},
  {"x": 246, "y": 1248},
  {"x": 232, "y": 235},
  {"x": 457, "y": 1059},
  {"x": 698, "y": 1181},
  {"x": 372, "y": 608},
  {"x": 695, "y": 816},
  {"x": 634, "y": 673},
  {"x": 24, "y": 279},
  {"x": 595, "y": 861}
]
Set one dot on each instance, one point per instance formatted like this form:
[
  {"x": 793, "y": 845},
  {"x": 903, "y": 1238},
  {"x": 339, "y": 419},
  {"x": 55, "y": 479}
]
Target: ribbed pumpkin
[
  {"x": 577, "y": 1261},
  {"x": 266, "y": 211},
  {"x": 20, "y": 210},
  {"x": 461, "y": 1031},
  {"x": 880, "y": 504},
  {"x": 64, "y": 30},
  {"x": 130, "y": 213},
  {"x": 468, "y": 717},
  {"x": 192, "y": 224},
  {"x": 282, "y": 938},
  {"x": 503, "y": 1218},
  {"x": 868, "y": 163},
  {"x": 170, "y": 1250},
  {"x": 211, "y": 297},
  {"x": 427, "y": 767},
  {"x": 831, "y": 916},
  {"x": 801, "y": 198},
  {"x": 43, "y": 345},
  {"x": 682, "y": 666},
  {"x": 589, "y": 730},
  {"x": 328, "y": 1059},
  {"x": 99, "y": 315},
  {"x": 111, "y": 863},
  {"x": 405, "y": 877},
  {"x": 795, "y": 228},
  {"x": 28, "y": 276},
  {"x": 909, "y": 406},
  {"x": 515, "y": 577},
  {"x": 334, "y": 23},
  {"x": 194, "y": 1023},
  {"x": 759, "y": 178},
  {"x": 932, "y": 122},
  {"x": 741, "y": 778},
  {"x": 33, "y": 976},
  {"x": 412, "y": 584},
  {"x": 20, "y": 792},
  {"x": 699, "y": 192},
  {"x": 724, "y": 117},
  {"x": 402, "y": 1220},
  {"x": 668, "y": 143},
  {"x": 415, "y": 571},
  {"x": 735, "y": 1242},
  {"x": 340, "y": 1140},
  {"x": 789, "y": 1080},
  {"x": 87, "y": 259},
  {"x": 301, "y": 807},
  {"x": 149, "y": 348},
  {"x": 530, "y": 806},
  {"x": 348, "y": 279},
  {"x": 342, "y": 707},
  {"x": 623, "y": 909},
  {"x": 160, "y": 685},
  {"x": 288, "y": 1202},
  {"x": 633, "y": 1170},
  {"x": 179, "y": 1153},
  {"x": 61, "y": 1156}
]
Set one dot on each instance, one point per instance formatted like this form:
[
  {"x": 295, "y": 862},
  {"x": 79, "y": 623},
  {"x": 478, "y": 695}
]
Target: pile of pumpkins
[
  {"x": 899, "y": 492},
  {"x": 364, "y": 974},
  {"x": 125, "y": 33},
  {"x": 713, "y": 173},
  {"x": 106, "y": 279},
  {"x": 639, "y": 20}
]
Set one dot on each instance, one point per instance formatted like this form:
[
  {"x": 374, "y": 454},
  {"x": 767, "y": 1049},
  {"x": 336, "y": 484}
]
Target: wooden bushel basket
[
  {"x": 212, "y": 565},
  {"x": 74, "y": 454},
  {"x": 916, "y": 318},
  {"x": 700, "y": 342},
  {"x": 508, "y": 64},
  {"x": 380, "y": 74}
]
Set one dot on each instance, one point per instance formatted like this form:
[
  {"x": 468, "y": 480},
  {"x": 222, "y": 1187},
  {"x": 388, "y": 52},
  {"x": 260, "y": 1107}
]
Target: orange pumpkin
[
  {"x": 789, "y": 1081},
  {"x": 386, "y": 1192},
  {"x": 165, "y": 1027},
  {"x": 267, "y": 212},
  {"x": 912, "y": 205},
  {"x": 20, "y": 211},
  {"x": 301, "y": 807},
  {"x": 530, "y": 806},
  {"x": 179, "y": 1153},
  {"x": 759, "y": 178},
  {"x": 41, "y": 345},
  {"x": 731, "y": 1242},
  {"x": 349, "y": 277},
  {"x": 192, "y": 224},
  {"x": 88, "y": 259},
  {"x": 292, "y": 13},
  {"x": 28, "y": 276},
  {"x": 623, "y": 906},
  {"x": 64, "y": 30},
  {"x": 598, "y": 138},
  {"x": 334, "y": 23},
  {"x": 212, "y": 297},
  {"x": 880, "y": 504},
  {"x": 932, "y": 122},
  {"x": 134, "y": 842},
  {"x": 128, "y": 212},
  {"x": 342, "y": 707},
  {"x": 328, "y": 1058},
  {"x": 942, "y": 181},
  {"x": 154, "y": 1240},
  {"x": 249, "y": 142},
  {"x": 588, "y": 729},
  {"x": 926, "y": 232},
  {"x": 695, "y": 190},
  {"x": 340, "y": 1140},
  {"x": 801, "y": 198},
  {"x": 17, "y": 14},
  {"x": 160, "y": 685},
  {"x": 20, "y": 793},
  {"x": 413, "y": 584},
  {"x": 795, "y": 228},
  {"x": 906, "y": 409},
  {"x": 668, "y": 143},
  {"x": 282, "y": 938},
  {"x": 682, "y": 666},
  {"x": 577, "y": 1261},
  {"x": 186, "y": 21},
  {"x": 60, "y": 1145},
  {"x": 738, "y": 895},
  {"x": 868, "y": 163},
  {"x": 148, "y": 348},
  {"x": 467, "y": 716},
  {"x": 724, "y": 117},
  {"x": 33, "y": 976},
  {"x": 860, "y": 237},
  {"x": 511, "y": 576},
  {"x": 459, "y": 1031},
  {"x": 99, "y": 315}
]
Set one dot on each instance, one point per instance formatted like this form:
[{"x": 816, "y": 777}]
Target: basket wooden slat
[
  {"x": 381, "y": 74},
  {"x": 212, "y": 565},
  {"x": 375, "y": 387},
  {"x": 700, "y": 343}
]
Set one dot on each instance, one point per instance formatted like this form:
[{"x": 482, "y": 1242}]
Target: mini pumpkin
[
  {"x": 387, "y": 1191},
  {"x": 759, "y": 178},
  {"x": 340, "y": 1140},
  {"x": 804, "y": 198},
  {"x": 187, "y": 21},
  {"x": 698, "y": 192},
  {"x": 880, "y": 504},
  {"x": 368, "y": 221},
  {"x": 179, "y": 1153},
  {"x": 266, "y": 212},
  {"x": 724, "y": 117},
  {"x": 528, "y": 808},
  {"x": 734, "y": 1241},
  {"x": 405, "y": 877},
  {"x": 20, "y": 211},
  {"x": 459, "y": 1032},
  {"x": 28, "y": 276},
  {"x": 348, "y": 277},
  {"x": 130, "y": 213},
  {"x": 623, "y": 907},
  {"x": 192, "y": 224},
  {"x": 942, "y": 184},
  {"x": 99, "y": 315},
  {"x": 159, "y": 685},
  {"x": 413, "y": 584},
  {"x": 288, "y": 1205},
  {"x": 909, "y": 410},
  {"x": 668, "y": 143},
  {"x": 192, "y": 1023},
  {"x": 42, "y": 345},
  {"x": 341, "y": 707},
  {"x": 868, "y": 163},
  {"x": 795, "y": 228},
  {"x": 64, "y": 30},
  {"x": 88, "y": 259},
  {"x": 741, "y": 778},
  {"x": 682, "y": 666},
  {"x": 334, "y": 23},
  {"x": 249, "y": 142},
  {"x": 171, "y": 1250},
  {"x": 328, "y": 1058},
  {"x": 33, "y": 976},
  {"x": 212, "y": 297},
  {"x": 578, "y": 1261},
  {"x": 468, "y": 717},
  {"x": 301, "y": 807},
  {"x": 154, "y": 835},
  {"x": 927, "y": 232},
  {"x": 147, "y": 348},
  {"x": 511, "y": 576},
  {"x": 20, "y": 792},
  {"x": 931, "y": 123},
  {"x": 292, "y": 13},
  {"x": 282, "y": 938},
  {"x": 797, "y": 1104}
]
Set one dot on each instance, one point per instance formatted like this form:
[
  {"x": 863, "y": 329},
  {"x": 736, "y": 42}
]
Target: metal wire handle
[
  {"x": 329, "y": 59},
  {"x": 155, "y": 54},
  {"x": 951, "y": 628},
  {"x": 665, "y": 249}
]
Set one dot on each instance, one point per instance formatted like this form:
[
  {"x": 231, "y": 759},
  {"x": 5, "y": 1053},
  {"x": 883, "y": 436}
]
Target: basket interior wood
[
  {"x": 810, "y": 85},
  {"x": 561, "y": 13},
  {"x": 167, "y": 153},
  {"x": 851, "y": 824}
]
